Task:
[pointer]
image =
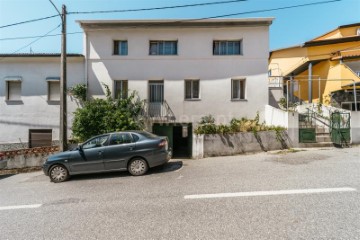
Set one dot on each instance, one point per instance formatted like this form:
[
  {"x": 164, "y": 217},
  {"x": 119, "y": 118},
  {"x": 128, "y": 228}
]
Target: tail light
[{"x": 163, "y": 143}]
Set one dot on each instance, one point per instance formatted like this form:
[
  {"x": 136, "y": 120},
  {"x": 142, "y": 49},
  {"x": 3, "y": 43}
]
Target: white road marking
[
  {"x": 20, "y": 207},
  {"x": 270, "y": 193}
]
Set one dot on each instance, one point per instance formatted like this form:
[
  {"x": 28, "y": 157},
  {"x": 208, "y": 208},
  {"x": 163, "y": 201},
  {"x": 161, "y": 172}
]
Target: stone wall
[{"x": 241, "y": 143}]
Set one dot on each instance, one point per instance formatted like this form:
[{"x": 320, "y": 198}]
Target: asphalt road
[{"x": 313, "y": 194}]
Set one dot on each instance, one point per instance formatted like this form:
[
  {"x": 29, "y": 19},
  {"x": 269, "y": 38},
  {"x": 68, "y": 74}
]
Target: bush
[
  {"x": 100, "y": 116},
  {"x": 207, "y": 126}
]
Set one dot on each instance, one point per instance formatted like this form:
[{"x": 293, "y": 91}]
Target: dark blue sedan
[{"x": 133, "y": 151}]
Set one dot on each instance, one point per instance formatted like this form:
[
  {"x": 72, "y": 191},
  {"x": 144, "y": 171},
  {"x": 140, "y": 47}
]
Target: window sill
[
  {"x": 239, "y": 100},
  {"x": 53, "y": 102},
  {"x": 193, "y": 100},
  {"x": 14, "y": 102},
  {"x": 164, "y": 55}
]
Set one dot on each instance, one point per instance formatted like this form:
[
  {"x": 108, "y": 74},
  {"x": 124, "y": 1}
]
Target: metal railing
[{"x": 158, "y": 111}]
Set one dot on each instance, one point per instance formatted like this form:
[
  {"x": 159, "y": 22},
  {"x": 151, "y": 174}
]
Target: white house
[
  {"x": 30, "y": 97},
  {"x": 185, "y": 69}
]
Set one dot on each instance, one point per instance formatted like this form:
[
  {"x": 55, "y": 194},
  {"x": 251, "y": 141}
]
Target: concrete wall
[
  {"x": 34, "y": 111},
  {"x": 288, "y": 120},
  {"x": 240, "y": 143},
  {"x": 195, "y": 60},
  {"x": 355, "y": 127}
]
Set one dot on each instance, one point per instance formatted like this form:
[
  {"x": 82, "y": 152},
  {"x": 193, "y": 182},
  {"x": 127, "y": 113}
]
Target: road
[{"x": 312, "y": 194}]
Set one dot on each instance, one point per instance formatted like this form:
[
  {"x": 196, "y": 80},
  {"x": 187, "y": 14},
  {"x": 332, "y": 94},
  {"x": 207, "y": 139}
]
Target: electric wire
[{"x": 198, "y": 19}]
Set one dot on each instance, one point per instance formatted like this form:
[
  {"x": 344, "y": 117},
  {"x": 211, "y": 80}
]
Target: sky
[{"x": 291, "y": 26}]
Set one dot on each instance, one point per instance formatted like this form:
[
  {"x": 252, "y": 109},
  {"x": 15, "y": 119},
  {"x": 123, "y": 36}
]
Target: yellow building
[{"x": 323, "y": 69}]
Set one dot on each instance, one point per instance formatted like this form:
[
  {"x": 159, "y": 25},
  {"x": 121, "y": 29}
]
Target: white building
[
  {"x": 184, "y": 69},
  {"x": 30, "y": 97}
]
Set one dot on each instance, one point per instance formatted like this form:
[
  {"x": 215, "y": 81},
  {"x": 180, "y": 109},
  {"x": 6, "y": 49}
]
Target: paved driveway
[{"x": 310, "y": 194}]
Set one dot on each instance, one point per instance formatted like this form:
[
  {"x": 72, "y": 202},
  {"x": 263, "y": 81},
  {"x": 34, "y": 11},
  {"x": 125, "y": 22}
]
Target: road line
[
  {"x": 20, "y": 207},
  {"x": 270, "y": 193}
]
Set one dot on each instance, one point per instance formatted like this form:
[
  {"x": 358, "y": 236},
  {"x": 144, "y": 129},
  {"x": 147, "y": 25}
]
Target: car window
[
  {"x": 149, "y": 135},
  {"x": 135, "y": 137},
  {"x": 96, "y": 142},
  {"x": 120, "y": 138}
]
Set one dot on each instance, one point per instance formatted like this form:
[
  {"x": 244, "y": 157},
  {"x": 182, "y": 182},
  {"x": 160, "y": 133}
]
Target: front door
[
  {"x": 90, "y": 157},
  {"x": 156, "y": 98},
  {"x": 121, "y": 148}
]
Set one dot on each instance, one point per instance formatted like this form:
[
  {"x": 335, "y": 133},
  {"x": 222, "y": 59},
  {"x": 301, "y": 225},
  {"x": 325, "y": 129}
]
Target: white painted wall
[
  {"x": 34, "y": 111},
  {"x": 194, "y": 60}
]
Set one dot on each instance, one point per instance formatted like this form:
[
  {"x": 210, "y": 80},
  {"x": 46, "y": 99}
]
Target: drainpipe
[{"x": 310, "y": 83}]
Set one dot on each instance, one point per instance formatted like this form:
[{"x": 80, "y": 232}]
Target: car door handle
[
  {"x": 100, "y": 152},
  {"x": 131, "y": 148}
]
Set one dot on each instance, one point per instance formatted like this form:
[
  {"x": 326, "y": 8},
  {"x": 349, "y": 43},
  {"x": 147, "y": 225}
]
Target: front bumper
[{"x": 45, "y": 169}]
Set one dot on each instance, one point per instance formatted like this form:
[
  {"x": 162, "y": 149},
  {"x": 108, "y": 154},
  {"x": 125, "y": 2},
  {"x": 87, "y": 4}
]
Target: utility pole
[{"x": 63, "y": 100}]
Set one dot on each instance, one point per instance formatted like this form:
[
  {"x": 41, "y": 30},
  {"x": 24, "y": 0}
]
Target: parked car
[{"x": 134, "y": 151}]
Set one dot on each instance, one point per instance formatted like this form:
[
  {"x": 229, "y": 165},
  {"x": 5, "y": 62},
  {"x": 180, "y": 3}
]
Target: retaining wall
[{"x": 240, "y": 143}]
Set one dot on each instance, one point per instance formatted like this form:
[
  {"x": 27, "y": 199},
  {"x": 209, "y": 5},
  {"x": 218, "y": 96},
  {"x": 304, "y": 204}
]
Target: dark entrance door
[{"x": 180, "y": 138}]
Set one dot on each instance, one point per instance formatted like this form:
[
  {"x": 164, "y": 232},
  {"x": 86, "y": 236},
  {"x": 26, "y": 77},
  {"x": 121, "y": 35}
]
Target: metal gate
[
  {"x": 307, "y": 128},
  {"x": 156, "y": 98},
  {"x": 340, "y": 128}
]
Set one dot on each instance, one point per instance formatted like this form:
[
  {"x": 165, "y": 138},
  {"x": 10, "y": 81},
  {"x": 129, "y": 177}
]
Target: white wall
[
  {"x": 34, "y": 111},
  {"x": 194, "y": 61},
  {"x": 355, "y": 127}
]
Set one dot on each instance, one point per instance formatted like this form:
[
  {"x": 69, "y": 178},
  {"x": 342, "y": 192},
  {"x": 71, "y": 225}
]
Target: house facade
[
  {"x": 30, "y": 98},
  {"x": 183, "y": 69},
  {"x": 324, "y": 69}
]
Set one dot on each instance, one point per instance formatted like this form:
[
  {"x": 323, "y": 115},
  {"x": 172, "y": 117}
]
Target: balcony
[{"x": 158, "y": 112}]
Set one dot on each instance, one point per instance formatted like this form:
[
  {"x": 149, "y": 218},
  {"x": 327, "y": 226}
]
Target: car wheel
[
  {"x": 58, "y": 173},
  {"x": 137, "y": 167}
]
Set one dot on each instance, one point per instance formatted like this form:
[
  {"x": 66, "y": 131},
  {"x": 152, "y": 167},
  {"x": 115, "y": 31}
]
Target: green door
[{"x": 340, "y": 128}]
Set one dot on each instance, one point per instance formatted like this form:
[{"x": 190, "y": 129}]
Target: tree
[{"x": 100, "y": 116}]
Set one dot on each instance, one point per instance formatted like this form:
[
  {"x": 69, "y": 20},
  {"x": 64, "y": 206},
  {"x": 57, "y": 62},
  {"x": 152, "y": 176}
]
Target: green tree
[{"x": 100, "y": 116}]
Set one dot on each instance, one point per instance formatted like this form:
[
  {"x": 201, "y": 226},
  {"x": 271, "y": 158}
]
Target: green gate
[
  {"x": 306, "y": 128},
  {"x": 340, "y": 128}
]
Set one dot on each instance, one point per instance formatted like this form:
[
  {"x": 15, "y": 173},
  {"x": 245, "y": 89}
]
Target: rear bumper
[{"x": 160, "y": 158}]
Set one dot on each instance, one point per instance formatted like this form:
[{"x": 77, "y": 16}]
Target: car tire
[
  {"x": 138, "y": 167},
  {"x": 58, "y": 173}
]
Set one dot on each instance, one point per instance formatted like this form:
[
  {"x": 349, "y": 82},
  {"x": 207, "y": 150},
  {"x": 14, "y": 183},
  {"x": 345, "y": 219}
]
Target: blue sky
[{"x": 290, "y": 27}]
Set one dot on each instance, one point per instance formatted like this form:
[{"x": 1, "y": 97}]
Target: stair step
[{"x": 316, "y": 145}]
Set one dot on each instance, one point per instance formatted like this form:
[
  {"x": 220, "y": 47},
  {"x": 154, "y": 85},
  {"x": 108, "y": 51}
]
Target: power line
[
  {"x": 28, "y": 21},
  {"x": 127, "y": 10},
  {"x": 197, "y": 19},
  {"x": 45, "y": 35},
  {"x": 159, "y": 8}
]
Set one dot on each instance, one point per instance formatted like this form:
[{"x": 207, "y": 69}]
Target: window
[
  {"x": 13, "y": 90},
  {"x": 238, "y": 89},
  {"x": 163, "y": 48},
  {"x": 192, "y": 89},
  {"x": 121, "y": 89},
  {"x": 358, "y": 73},
  {"x": 227, "y": 47},
  {"x": 40, "y": 137},
  {"x": 53, "y": 90},
  {"x": 96, "y": 142},
  {"x": 120, "y": 138},
  {"x": 121, "y": 47}
]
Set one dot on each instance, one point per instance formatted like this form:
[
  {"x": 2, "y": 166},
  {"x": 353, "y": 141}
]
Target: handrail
[{"x": 158, "y": 111}]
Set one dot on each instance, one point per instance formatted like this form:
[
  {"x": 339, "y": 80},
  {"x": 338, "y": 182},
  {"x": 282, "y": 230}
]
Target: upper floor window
[
  {"x": 120, "y": 89},
  {"x": 227, "y": 47},
  {"x": 192, "y": 89},
  {"x": 121, "y": 47},
  {"x": 13, "y": 88},
  {"x": 238, "y": 89},
  {"x": 163, "y": 48},
  {"x": 53, "y": 88}
]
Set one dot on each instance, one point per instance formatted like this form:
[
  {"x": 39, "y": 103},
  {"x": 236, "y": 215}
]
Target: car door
[
  {"x": 90, "y": 156},
  {"x": 121, "y": 148}
]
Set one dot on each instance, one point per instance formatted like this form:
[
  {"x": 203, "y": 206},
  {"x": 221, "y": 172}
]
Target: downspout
[
  {"x": 86, "y": 65},
  {"x": 310, "y": 83}
]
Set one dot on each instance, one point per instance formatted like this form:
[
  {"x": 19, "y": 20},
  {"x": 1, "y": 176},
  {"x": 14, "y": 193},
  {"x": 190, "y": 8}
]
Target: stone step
[
  {"x": 316, "y": 145},
  {"x": 322, "y": 130},
  {"x": 323, "y": 138}
]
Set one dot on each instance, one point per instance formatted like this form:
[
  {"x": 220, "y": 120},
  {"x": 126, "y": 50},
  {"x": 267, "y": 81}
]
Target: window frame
[
  {"x": 51, "y": 80},
  {"x": 227, "y": 42},
  {"x": 192, "y": 98},
  {"x": 8, "y": 83},
  {"x": 158, "y": 51},
  {"x": 121, "y": 82},
  {"x": 117, "y": 50},
  {"x": 239, "y": 92}
]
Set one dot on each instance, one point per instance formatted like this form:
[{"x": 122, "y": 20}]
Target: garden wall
[
  {"x": 240, "y": 143},
  {"x": 22, "y": 158}
]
